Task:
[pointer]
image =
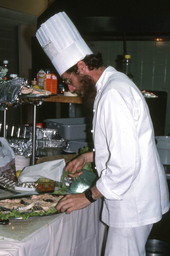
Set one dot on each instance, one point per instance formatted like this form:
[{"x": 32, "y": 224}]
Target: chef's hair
[{"x": 93, "y": 61}]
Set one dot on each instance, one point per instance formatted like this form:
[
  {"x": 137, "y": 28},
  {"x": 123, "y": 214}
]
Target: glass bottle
[
  {"x": 41, "y": 76},
  {"x": 5, "y": 63},
  {"x": 5, "y": 69},
  {"x": 127, "y": 65}
]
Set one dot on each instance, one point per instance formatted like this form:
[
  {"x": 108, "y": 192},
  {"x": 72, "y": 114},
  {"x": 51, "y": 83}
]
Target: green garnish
[{"x": 17, "y": 214}]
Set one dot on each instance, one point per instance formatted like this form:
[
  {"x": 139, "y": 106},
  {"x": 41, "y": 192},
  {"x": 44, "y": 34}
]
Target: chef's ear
[{"x": 81, "y": 67}]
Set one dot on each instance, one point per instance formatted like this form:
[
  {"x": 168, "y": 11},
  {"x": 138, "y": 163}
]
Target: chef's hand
[
  {"x": 75, "y": 166},
  {"x": 72, "y": 202}
]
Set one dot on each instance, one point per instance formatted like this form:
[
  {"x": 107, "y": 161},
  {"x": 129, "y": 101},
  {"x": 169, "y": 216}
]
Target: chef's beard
[
  {"x": 87, "y": 88},
  {"x": 87, "y": 91}
]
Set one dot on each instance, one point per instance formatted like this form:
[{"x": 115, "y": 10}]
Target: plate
[
  {"x": 27, "y": 96},
  {"x": 69, "y": 151}
]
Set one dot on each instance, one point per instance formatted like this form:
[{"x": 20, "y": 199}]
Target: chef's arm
[
  {"x": 96, "y": 193},
  {"x": 75, "y": 166},
  {"x": 92, "y": 194},
  {"x": 74, "y": 202}
]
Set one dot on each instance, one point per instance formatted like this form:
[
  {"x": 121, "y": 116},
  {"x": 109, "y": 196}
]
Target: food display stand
[
  {"x": 71, "y": 100},
  {"x": 37, "y": 101},
  {"x": 64, "y": 99},
  {"x": 4, "y": 108},
  {"x": 52, "y": 98}
]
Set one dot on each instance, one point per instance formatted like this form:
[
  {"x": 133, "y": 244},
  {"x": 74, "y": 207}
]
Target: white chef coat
[{"x": 131, "y": 177}]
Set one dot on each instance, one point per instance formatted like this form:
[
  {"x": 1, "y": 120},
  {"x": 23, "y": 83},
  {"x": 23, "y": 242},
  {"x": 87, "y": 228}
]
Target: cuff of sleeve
[{"x": 106, "y": 192}]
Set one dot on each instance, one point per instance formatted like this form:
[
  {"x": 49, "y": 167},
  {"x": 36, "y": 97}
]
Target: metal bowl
[
  {"x": 50, "y": 151},
  {"x": 157, "y": 248}
]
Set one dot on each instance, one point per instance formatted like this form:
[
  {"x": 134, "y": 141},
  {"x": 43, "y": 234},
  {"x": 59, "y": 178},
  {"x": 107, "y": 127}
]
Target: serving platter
[
  {"x": 32, "y": 96},
  {"x": 24, "y": 207}
]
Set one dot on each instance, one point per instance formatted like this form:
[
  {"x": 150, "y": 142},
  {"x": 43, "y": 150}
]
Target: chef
[{"x": 131, "y": 178}]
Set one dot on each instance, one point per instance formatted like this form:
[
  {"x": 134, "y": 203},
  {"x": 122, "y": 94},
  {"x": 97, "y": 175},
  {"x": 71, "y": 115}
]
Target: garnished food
[
  {"x": 45, "y": 185},
  {"x": 25, "y": 207},
  {"x": 29, "y": 90},
  {"x": 26, "y": 90},
  {"x": 41, "y": 92}
]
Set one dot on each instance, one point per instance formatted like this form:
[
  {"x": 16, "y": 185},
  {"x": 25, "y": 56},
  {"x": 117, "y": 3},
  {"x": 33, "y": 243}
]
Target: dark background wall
[{"x": 106, "y": 26}]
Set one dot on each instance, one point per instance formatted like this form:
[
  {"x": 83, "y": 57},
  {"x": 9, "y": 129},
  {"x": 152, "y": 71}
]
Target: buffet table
[{"x": 75, "y": 234}]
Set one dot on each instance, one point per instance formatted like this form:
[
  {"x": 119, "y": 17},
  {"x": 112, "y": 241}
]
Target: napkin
[{"x": 51, "y": 170}]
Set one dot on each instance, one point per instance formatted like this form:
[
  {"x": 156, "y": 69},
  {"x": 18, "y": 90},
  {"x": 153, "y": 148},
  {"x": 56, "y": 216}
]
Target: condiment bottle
[{"x": 34, "y": 84}]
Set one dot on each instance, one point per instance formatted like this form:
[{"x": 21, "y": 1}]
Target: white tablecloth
[{"x": 77, "y": 234}]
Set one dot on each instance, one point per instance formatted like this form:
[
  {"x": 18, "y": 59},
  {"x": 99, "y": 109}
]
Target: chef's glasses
[{"x": 68, "y": 81}]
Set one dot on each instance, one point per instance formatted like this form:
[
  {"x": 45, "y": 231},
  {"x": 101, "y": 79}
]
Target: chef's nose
[{"x": 71, "y": 88}]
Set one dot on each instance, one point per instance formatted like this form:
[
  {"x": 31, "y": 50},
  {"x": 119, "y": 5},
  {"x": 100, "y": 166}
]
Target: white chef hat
[{"x": 62, "y": 42}]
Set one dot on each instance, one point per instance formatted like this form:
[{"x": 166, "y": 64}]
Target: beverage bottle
[
  {"x": 41, "y": 76},
  {"x": 127, "y": 65},
  {"x": 51, "y": 82},
  {"x": 61, "y": 88},
  {"x": 5, "y": 67},
  {"x": 54, "y": 84},
  {"x": 48, "y": 81}
]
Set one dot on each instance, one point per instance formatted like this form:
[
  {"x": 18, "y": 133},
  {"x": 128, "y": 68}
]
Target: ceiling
[
  {"x": 104, "y": 19},
  {"x": 34, "y": 7},
  {"x": 113, "y": 19}
]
